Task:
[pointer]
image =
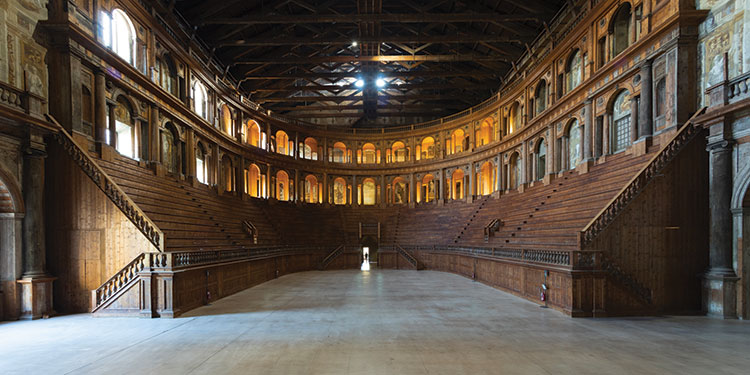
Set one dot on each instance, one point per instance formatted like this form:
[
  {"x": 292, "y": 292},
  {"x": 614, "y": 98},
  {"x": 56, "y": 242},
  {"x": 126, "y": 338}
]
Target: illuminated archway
[
  {"x": 338, "y": 154},
  {"x": 426, "y": 192},
  {"x": 457, "y": 184},
  {"x": 254, "y": 183},
  {"x": 398, "y": 153},
  {"x": 282, "y": 143},
  {"x": 426, "y": 149},
  {"x": 400, "y": 191},
  {"x": 369, "y": 193},
  {"x": 283, "y": 186},
  {"x": 456, "y": 142},
  {"x": 368, "y": 154},
  {"x": 310, "y": 149},
  {"x": 339, "y": 191},
  {"x": 253, "y": 133},
  {"x": 226, "y": 119},
  {"x": 484, "y": 134},
  {"x": 486, "y": 178},
  {"x": 312, "y": 190}
]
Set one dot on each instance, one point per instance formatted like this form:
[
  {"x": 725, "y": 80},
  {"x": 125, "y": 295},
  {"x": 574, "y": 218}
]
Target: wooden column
[
  {"x": 587, "y": 125},
  {"x": 598, "y": 128},
  {"x": 645, "y": 118},
  {"x": 154, "y": 141},
  {"x": 112, "y": 126},
  {"x": 634, "y": 119},
  {"x": 100, "y": 107}
]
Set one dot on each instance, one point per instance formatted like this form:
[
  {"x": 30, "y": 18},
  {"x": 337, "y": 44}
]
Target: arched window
[
  {"x": 457, "y": 142},
  {"x": 226, "y": 119},
  {"x": 339, "y": 191},
  {"x": 486, "y": 178},
  {"x": 118, "y": 34},
  {"x": 125, "y": 141},
  {"x": 368, "y": 192},
  {"x": 254, "y": 181},
  {"x": 573, "y": 71},
  {"x": 457, "y": 185},
  {"x": 515, "y": 171},
  {"x": 484, "y": 135},
  {"x": 201, "y": 164},
  {"x": 399, "y": 152},
  {"x": 166, "y": 74},
  {"x": 426, "y": 150},
  {"x": 227, "y": 173},
  {"x": 282, "y": 143},
  {"x": 426, "y": 191},
  {"x": 400, "y": 191},
  {"x": 540, "y": 97},
  {"x": 660, "y": 101},
  {"x": 541, "y": 159},
  {"x": 253, "y": 133},
  {"x": 283, "y": 187},
  {"x": 621, "y": 121},
  {"x": 200, "y": 100},
  {"x": 311, "y": 189},
  {"x": 310, "y": 149},
  {"x": 514, "y": 118},
  {"x": 369, "y": 155},
  {"x": 574, "y": 144},
  {"x": 170, "y": 148},
  {"x": 339, "y": 153},
  {"x": 619, "y": 29}
]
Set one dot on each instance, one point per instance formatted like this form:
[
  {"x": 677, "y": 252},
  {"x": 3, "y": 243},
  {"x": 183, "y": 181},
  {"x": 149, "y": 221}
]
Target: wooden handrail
[
  {"x": 408, "y": 256},
  {"x": 639, "y": 182},
  {"x": 117, "y": 282},
  {"x": 251, "y": 229},
  {"x": 106, "y": 184}
]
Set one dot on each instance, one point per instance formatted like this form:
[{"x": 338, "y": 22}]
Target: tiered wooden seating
[
  {"x": 551, "y": 216},
  {"x": 192, "y": 218}
]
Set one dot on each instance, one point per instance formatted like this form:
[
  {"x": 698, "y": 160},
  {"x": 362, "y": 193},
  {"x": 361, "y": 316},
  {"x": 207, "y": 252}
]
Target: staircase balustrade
[
  {"x": 106, "y": 184},
  {"x": 636, "y": 185}
]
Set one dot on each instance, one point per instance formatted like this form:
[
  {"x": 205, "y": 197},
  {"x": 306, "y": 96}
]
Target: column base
[
  {"x": 36, "y": 297},
  {"x": 719, "y": 294},
  {"x": 585, "y": 166},
  {"x": 640, "y": 147},
  {"x": 106, "y": 152},
  {"x": 548, "y": 178}
]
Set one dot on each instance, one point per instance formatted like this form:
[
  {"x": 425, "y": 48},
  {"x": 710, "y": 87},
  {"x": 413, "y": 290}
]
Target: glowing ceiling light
[
  {"x": 354, "y": 43},
  {"x": 360, "y": 83},
  {"x": 380, "y": 82}
]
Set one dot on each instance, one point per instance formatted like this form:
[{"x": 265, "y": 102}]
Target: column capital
[{"x": 720, "y": 145}]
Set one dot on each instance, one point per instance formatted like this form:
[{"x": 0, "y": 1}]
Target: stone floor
[{"x": 379, "y": 322}]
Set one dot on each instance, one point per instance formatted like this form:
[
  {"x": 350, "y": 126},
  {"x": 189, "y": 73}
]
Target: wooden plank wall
[
  {"x": 393, "y": 260},
  {"x": 197, "y": 287},
  {"x": 661, "y": 238},
  {"x": 523, "y": 280},
  {"x": 88, "y": 238}
]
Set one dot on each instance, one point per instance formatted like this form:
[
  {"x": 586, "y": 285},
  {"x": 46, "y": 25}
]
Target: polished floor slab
[{"x": 377, "y": 322}]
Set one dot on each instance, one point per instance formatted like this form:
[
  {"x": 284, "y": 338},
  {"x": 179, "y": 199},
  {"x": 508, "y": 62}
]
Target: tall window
[
  {"x": 540, "y": 97},
  {"x": 660, "y": 100},
  {"x": 118, "y": 34},
  {"x": 621, "y": 120},
  {"x": 573, "y": 71},
  {"x": 226, "y": 119},
  {"x": 200, "y": 100},
  {"x": 254, "y": 183},
  {"x": 125, "y": 139},
  {"x": 514, "y": 118},
  {"x": 619, "y": 29},
  {"x": 515, "y": 171},
  {"x": 166, "y": 74},
  {"x": 574, "y": 144},
  {"x": 541, "y": 160},
  {"x": 201, "y": 166}
]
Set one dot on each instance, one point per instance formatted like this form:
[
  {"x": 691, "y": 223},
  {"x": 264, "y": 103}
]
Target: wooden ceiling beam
[
  {"x": 384, "y": 17},
  {"x": 420, "y": 97},
  {"x": 380, "y": 58},
  {"x": 422, "y": 39}
]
